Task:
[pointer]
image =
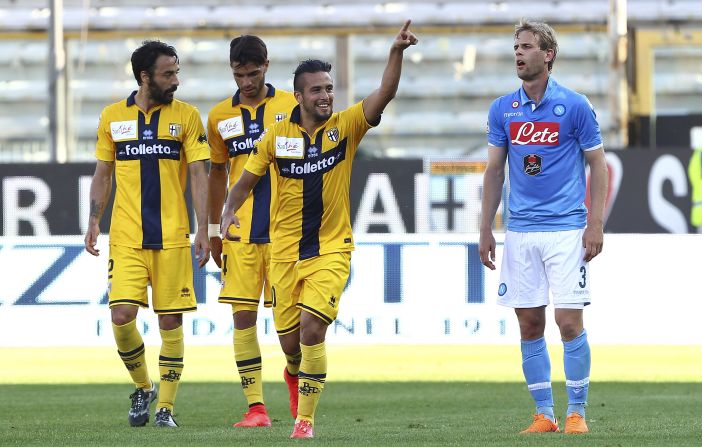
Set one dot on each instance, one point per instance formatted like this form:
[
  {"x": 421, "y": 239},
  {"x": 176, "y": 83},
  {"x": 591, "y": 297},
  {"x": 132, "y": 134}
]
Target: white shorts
[{"x": 534, "y": 263}]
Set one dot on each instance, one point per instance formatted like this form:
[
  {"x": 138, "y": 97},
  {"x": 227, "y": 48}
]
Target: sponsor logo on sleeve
[
  {"x": 534, "y": 133},
  {"x": 123, "y": 130},
  {"x": 232, "y": 127},
  {"x": 286, "y": 147}
]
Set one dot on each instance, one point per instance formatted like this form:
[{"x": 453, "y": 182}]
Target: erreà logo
[{"x": 534, "y": 133}]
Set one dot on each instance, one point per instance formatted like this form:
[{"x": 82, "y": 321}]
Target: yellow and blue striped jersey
[
  {"x": 151, "y": 152},
  {"x": 232, "y": 128},
  {"x": 313, "y": 215}
]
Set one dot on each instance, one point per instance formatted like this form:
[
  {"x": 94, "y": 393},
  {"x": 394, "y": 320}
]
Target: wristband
[{"x": 213, "y": 230}]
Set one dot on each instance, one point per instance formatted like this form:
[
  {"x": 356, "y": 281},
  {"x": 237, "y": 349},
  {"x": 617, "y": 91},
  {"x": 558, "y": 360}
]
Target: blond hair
[{"x": 543, "y": 32}]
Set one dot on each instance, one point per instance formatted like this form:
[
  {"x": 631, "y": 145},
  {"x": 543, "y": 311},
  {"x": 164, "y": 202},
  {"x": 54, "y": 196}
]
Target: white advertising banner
[{"x": 404, "y": 289}]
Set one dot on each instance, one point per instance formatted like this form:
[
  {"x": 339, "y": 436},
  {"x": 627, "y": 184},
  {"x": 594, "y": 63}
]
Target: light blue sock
[
  {"x": 537, "y": 372},
  {"x": 576, "y": 361}
]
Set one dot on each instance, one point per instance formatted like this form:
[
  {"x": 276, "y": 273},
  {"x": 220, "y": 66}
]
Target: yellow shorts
[
  {"x": 313, "y": 285},
  {"x": 245, "y": 275},
  {"x": 169, "y": 271}
]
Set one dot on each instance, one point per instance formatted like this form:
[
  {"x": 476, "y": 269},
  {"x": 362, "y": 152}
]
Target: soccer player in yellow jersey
[
  {"x": 312, "y": 153},
  {"x": 150, "y": 141},
  {"x": 232, "y": 126}
]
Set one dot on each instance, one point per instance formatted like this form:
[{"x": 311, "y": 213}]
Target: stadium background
[{"x": 419, "y": 304}]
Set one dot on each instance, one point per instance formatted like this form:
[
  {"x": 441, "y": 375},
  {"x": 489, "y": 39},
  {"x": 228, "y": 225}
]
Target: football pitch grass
[{"x": 375, "y": 396}]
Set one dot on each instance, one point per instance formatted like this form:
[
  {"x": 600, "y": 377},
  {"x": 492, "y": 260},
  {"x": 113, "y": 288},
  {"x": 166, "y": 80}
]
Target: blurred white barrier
[{"x": 403, "y": 290}]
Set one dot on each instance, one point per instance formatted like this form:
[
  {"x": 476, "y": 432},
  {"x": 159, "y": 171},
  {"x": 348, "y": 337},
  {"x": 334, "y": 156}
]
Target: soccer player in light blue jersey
[{"x": 545, "y": 132}]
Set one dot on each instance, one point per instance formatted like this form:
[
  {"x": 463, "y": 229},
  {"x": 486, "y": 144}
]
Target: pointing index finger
[{"x": 405, "y": 27}]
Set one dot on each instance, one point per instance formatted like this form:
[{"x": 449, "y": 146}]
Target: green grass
[
  {"x": 355, "y": 414},
  {"x": 375, "y": 396}
]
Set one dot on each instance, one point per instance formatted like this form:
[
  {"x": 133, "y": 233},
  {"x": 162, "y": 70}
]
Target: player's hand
[
  {"x": 405, "y": 37},
  {"x": 593, "y": 239},
  {"x": 216, "y": 247},
  {"x": 228, "y": 219},
  {"x": 202, "y": 246},
  {"x": 486, "y": 248},
  {"x": 91, "y": 237}
]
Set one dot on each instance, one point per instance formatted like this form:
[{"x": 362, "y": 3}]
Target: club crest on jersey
[
  {"x": 280, "y": 116},
  {"x": 333, "y": 134},
  {"x": 515, "y": 104},
  {"x": 532, "y": 164},
  {"x": 175, "y": 130},
  {"x": 559, "y": 110},
  {"x": 534, "y": 133},
  {"x": 147, "y": 134}
]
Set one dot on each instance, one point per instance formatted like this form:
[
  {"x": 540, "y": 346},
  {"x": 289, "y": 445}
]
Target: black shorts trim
[
  {"x": 175, "y": 311},
  {"x": 289, "y": 329},
  {"x": 316, "y": 313},
  {"x": 125, "y": 301}
]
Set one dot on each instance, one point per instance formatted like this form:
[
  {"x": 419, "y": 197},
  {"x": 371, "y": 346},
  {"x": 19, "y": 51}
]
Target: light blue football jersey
[{"x": 545, "y": 145}]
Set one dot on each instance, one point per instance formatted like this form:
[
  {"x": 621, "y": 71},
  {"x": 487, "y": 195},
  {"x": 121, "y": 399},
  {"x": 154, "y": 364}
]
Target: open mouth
[{"x": 520, "y": 64}]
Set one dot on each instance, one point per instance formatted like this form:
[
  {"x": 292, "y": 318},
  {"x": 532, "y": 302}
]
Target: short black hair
[
  {"x": 309, "y": 66},
  {"x": 144, "y": 57},
  {"x": 247, "y": 48}
]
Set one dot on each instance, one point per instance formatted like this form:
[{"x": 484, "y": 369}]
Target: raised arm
[
  {"x": 493, "y": 181},
  {"x": 198, "y": 188},
  {"x": 100, "y": 189},
  {"x": 374, "y": 104},
  {"x": 237, "y": 197},
  {"x": 593, "y": 238}
]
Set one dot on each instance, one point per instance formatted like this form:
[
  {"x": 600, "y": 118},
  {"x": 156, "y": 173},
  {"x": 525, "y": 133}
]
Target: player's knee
[
  {"x": 168, "y": 322},
  {"x": 122, "y": 315},
  {"x": 244, "y": 319},
  {"x": 570, "y": 330}
]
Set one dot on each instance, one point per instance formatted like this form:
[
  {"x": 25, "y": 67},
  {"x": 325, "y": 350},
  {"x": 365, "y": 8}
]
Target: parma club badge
[{"x": 333, "y": 134}]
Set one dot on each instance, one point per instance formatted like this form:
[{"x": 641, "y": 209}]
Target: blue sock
[
  {"x": 576, "y": 361},
  {"x": 537, "y": 372}
]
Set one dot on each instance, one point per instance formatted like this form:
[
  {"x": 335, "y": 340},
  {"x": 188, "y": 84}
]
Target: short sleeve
[
  {"x": 262, "y": 155},
  {"x": 218, "y": 149},
  {"x": 105, "y": 147},
  {"x": 356, "y": 125},
  {"x": 496, "y": 135},
  {"x": 195, "y": 140},
  {"x": 587, "y": 128}
]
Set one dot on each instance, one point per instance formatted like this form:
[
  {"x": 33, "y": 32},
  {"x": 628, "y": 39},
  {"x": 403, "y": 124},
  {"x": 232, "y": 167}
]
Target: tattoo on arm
[{"x": 95, "y": 209}]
